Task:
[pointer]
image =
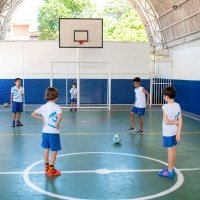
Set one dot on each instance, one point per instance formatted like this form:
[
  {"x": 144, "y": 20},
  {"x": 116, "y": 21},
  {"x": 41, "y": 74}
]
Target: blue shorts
[
  {"x": 17, "y": 107},
  {"x": 139, "y": 111},
  {"x": 74, "y": 100},
  {"x": 51, "y": 141},
  {"x": 169, "y": 141}
]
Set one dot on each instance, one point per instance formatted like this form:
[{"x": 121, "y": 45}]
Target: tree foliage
[
  {"x": 52, "y": 10},
  {"x": 121, "y": 22}
]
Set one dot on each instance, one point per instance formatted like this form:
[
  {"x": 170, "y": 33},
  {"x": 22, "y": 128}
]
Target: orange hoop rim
[{"x": 82, "y": 41}]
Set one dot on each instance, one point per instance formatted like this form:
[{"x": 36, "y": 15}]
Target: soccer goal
[{"x": 92, "y": 79}]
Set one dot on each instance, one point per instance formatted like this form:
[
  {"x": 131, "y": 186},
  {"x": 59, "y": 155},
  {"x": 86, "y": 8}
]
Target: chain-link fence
[
  {"x": 123, "y": 90},
  {"x": 95, "y": 89}
]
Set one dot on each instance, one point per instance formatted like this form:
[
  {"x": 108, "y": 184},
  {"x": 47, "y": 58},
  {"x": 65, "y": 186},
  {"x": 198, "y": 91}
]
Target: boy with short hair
[
  {"x": 16, "y": 101},
  {"x": 139, "y": 105},
  {"x": 73, "y": 92},
  {"x": 51, "y": 115},
  {"x": 171, "y": 129}
]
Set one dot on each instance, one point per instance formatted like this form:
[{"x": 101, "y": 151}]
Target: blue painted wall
[
  {"x": 188, "y": 95},
  {"x": 5, "y": 87},
  {"x": 92, "y": 91},
  {"x": 35, "y": 90},
  {"x": 122, "y": 90},
  {"x": 60, "y": 84}
]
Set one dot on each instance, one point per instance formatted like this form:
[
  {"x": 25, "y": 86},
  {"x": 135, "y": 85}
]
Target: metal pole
[
  {"x": 151, "y": 81},
  {"x": 78, "y": 79},
  {"x": 51, "y": 81},
  {"x": 109, "y": 89},
  {"x": 23, "y": 76}
]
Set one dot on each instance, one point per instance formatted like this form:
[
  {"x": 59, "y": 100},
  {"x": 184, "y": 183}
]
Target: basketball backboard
[{"x": 80, "y": 33}]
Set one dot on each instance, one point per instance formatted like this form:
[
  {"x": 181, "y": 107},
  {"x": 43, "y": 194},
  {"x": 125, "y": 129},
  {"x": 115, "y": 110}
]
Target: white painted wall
[
  {"x": 126, "y": 60},
  {"x": 33, "y": 58},
  {"x": 185, "y": 62}
]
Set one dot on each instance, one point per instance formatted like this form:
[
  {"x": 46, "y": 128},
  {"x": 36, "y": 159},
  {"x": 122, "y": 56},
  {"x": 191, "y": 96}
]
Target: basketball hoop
[{"x": 81, "y": 42}]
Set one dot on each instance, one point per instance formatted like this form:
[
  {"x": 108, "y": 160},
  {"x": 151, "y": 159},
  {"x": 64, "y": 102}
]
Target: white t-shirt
[
  {"x": 140, "y": 98},
  {"x": 49, "y": 112},
  {"x": 17, "y": 94},
  {"x": 172, "y": 111},
  {"x": 73, "y": 92}
]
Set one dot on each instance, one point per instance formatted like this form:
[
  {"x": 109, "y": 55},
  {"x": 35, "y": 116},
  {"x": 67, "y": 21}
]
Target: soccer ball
[{"x": 117, "y": 139}]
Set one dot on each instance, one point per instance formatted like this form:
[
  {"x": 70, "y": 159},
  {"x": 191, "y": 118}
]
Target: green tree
[
  {"x": 52, "y": 10},
  {"x": 121, "y": 21}
]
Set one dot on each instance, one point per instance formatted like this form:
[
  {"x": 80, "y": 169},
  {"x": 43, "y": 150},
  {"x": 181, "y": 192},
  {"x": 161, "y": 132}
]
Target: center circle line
[{"x": 178, "y": 183}]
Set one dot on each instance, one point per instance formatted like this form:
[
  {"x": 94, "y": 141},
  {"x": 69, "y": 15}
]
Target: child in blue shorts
[
  {"x": 73, "y": 92},
  {"x": 139, "y": 105},
  {"x": 171, "y": 129},
  {"x": 51, "y": 115},
  {"x": 16, "y": 101}
]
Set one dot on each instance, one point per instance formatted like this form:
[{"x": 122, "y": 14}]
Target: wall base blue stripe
[
  {"x": 5, "y": 88},
  {"x": 92, "y": 91},
  {"x": 188, "y": 95}
]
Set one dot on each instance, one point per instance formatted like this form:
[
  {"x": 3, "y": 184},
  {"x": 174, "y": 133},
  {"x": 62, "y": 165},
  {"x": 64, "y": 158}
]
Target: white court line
[
  {"x": 101, "y": 171},
  {"x": 190, "y": 169},
  {"x": 10, "y": 173},
  {"x": 190, "y": 117},
  {"x": 75, "y": 134},
  {"x": 179, "y": 182}
]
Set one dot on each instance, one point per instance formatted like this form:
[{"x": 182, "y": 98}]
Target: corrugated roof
[{"x": 178, "y": 20}]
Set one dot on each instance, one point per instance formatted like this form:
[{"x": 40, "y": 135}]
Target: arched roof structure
[
  {"x": 7, "y": 8},
  {"x": 169, "y": 22}
]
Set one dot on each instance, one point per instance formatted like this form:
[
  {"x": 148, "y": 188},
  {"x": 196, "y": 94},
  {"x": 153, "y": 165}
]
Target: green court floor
[{"x": 92, "y": 166}]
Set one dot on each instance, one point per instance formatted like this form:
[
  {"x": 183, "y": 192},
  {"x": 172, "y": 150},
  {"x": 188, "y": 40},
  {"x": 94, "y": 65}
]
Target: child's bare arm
[
  {"x": 35, "y": 115},
  {"x": 148, "y": 96},
  {"x": 168, "y": 121},
  {"x": 59, "y": 120},
  {"x": 178, "y": 133}
]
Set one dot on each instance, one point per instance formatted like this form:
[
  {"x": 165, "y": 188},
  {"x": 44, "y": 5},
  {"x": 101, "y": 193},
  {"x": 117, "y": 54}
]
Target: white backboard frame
[{"x": 71, "y": 30}]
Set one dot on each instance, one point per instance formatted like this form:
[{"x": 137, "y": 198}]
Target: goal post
[{"x": 93, "y": 83}]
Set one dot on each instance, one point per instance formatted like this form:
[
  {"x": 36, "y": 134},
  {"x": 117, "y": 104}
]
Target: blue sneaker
[
  {"x": 165, "y": 169},
  {"x": 166, "y": 173}
]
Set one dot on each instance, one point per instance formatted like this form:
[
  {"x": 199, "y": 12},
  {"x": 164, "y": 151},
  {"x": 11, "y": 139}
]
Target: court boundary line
[
  {"x": 109, "y": 133},
  {"x": 186, "y": 115},
  {"x": 98, "y": 171}
]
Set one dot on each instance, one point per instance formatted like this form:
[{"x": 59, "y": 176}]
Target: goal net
[{"x": 92, "y": 79}]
